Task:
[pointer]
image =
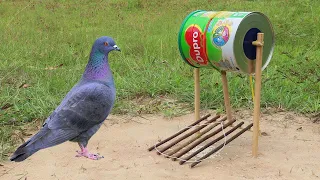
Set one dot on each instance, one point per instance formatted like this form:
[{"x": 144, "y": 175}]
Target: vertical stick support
[
  {"x": 226, "y": 95},
  {"x": 256, "y": 112},
  {"x": 196, "y": 94}
]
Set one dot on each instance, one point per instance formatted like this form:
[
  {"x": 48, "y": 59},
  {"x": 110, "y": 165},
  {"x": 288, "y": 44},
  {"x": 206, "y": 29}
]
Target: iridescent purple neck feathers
[{"x": 98, "y": 68}]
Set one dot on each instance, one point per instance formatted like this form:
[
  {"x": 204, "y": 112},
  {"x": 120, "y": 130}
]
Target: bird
[{"x": 83, "y": 109}]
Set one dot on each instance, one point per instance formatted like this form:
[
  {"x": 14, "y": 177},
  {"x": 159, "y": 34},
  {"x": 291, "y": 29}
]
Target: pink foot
[{"x": 84, "y": 152}]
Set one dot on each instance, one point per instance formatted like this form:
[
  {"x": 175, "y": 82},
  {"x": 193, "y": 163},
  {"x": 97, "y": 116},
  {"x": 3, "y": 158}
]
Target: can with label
[{"x": 223, "y": 39}]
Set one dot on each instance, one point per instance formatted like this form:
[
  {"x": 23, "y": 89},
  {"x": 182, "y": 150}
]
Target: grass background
[{"x": 36, "y": 35}]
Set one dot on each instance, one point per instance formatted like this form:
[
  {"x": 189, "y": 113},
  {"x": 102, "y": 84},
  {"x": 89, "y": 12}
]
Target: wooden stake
[
  {"x": 226, "y": 95},
  {"x": 196, "y": 94},
  {"x": 256, "y": 112}
]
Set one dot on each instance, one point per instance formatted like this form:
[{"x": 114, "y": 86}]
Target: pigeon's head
[{"x": 105, "y": 44}]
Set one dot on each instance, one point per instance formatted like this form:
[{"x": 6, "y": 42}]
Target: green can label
[
  {"x": 206, "y": 36},
  {"x": 196, "y": 48}
]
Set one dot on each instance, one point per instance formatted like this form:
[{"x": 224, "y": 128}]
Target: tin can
[{"x": 223, "y": 39}]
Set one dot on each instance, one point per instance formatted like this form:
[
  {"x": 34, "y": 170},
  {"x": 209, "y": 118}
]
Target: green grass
[{"x": 35, "y": 35}]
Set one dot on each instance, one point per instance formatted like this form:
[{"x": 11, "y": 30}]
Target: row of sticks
[{"x": 198, "y": 138}]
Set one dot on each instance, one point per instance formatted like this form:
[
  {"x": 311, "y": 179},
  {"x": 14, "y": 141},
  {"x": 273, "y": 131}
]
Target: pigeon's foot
[{"x": 85, "y": 153}]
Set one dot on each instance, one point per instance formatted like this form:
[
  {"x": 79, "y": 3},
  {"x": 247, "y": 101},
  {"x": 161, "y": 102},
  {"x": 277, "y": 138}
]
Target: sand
[{"x": 289, "y": 148}]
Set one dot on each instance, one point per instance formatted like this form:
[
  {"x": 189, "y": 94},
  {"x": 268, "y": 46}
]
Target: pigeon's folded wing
[{"x": 84, "y": 108}]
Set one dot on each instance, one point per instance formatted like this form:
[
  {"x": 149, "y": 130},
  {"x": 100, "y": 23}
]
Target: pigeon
[{"x": 83, "y": 109}]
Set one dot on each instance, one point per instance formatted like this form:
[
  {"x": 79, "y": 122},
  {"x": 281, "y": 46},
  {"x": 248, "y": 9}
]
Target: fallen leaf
[
  {"x": 6, "y": 106},
  {"x": 264, "y": 134},
  {"x": 24, "y": 85},
  {"x": 316, "y": 120},
  {"x": 26, "y": 133},
  {"x": 53, "y": 67}
]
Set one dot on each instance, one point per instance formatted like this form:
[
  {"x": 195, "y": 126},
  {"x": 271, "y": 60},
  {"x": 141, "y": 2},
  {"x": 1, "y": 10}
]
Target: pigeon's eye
[{"x": 106, "y": 43}]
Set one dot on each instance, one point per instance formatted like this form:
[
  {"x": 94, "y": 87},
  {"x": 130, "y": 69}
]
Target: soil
[{"x": 289, "y": 148}]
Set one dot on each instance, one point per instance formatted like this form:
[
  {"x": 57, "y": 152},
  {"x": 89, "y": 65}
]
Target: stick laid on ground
[
  {"x": 194, "y": 138},
  {"x": 222, "y": 145},
  {"x": 204, "y": 138},
  {"x": 178, "y": 133},
  {"x": 211, "y": 143},
  {"x": 187, "y": 135}
]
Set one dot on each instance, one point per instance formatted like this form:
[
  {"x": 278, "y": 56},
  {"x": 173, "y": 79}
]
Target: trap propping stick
[
  {"x": 199, "y": 141},
  {"x": 256, "y": 112},
  {"x": 169, "y": 154},
  {"x": 226, "y": 94},
  {"x": 211, "y": 143},
  {"x": 197, "y": 93},
  {"x": 178, "y": 133},
  {"x": 187, "y": 135},
  {"x": 222, "y": 145}
]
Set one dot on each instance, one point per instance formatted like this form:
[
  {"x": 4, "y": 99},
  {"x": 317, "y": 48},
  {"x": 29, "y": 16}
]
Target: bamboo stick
[
  {"x": 204, "y": 138},
  {"x": 178, "y": 133},
  {"x": 187, "y": 135},
  {"x": 226, "y": 95},
  {"x": 211, "y": 143},
  {"x": 222, "y": 145},
  {"x": 256, "y": 112},
  {"x": 194, "y": 138},
  {"x": 197, "y": 93}
]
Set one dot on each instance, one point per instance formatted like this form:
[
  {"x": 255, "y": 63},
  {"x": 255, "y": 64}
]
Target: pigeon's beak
[{"x": 115, "y": 47}]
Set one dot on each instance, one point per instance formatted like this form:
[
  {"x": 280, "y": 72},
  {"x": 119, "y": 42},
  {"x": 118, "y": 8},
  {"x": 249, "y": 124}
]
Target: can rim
[
  {"x": 273, "y": 41},
  {"x": 267, "y": 59},
  {"x": 179, "y": 36}
]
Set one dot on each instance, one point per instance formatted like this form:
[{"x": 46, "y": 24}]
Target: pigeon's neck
[{"x": 98, "y": 68}]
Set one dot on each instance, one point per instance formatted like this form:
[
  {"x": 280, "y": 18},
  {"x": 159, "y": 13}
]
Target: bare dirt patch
[{"x": 288, "y": 149}]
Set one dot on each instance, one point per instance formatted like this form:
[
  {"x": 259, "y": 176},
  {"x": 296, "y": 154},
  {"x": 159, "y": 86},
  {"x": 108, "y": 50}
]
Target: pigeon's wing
[{"x": 85, "y": 107}]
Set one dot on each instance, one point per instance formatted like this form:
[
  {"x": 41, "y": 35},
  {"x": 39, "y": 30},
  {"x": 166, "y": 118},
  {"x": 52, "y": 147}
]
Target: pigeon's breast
[{"x": 98, "y": 103}]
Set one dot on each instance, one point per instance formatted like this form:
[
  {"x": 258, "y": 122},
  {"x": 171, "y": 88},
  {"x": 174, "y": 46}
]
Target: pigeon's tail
[
  {"x": 23, "y": 152},
  {"x": 43, "y": 139}
]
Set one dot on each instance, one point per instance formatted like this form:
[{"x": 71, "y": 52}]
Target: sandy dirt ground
[{"x": 289, "y": 148}]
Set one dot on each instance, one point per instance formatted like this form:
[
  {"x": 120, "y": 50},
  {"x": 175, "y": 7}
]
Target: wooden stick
[
  {"x": 211, "y": 143},
  {"x": 226, "y": 95},
  {"x": 178, "y": 133},
  {"x": 257, "y": 91},
  {"x": 221, "y": 145},
  {"x": 197, "y": 129},
  {"x": 195, "y": 137},
  {"x": 196, "y": 93},
  {"x": 200, "y": 140}
]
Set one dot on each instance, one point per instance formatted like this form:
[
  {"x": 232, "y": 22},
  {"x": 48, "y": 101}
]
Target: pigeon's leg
[{"x": 85, "y": 153}]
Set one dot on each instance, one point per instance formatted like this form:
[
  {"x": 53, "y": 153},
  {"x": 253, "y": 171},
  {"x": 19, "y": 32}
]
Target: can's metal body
[{"x": 223, "y": 40}]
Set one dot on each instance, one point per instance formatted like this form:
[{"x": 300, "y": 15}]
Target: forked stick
[{"x": 256, "y": 112}]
